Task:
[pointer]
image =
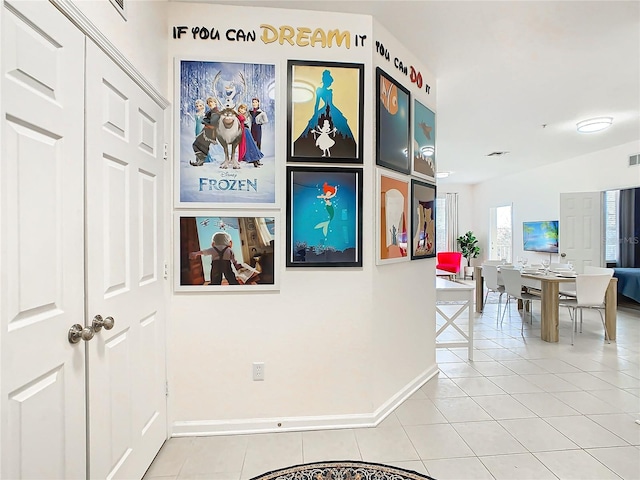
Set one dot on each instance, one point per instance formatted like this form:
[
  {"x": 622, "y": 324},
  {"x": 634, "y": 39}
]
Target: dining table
[{"x": 548, "y": 283}]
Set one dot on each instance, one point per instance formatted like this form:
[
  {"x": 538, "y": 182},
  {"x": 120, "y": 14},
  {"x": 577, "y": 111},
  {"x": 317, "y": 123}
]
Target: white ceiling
[{"x": 505, "y": 69}]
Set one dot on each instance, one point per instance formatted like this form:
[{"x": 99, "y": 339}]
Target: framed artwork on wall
[
  {"x": 393, "y": 135},
  {"x": 226, "y": 251},
  {"x": 423, "y": 219},
  {"x": 393, "y": 217},
  {"x": 424, "y": 142},
  {"x": 324, "y": 217},
  {"x": 324, "y": 112},
  {"x": 225, "y": 145}
]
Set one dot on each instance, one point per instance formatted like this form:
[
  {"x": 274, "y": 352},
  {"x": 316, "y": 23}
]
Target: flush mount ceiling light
[
  {"x": 594, "y": 124},
  {"x": 443, "y": 174}
]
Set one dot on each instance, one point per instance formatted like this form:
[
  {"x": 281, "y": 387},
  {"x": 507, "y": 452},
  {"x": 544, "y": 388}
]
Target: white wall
[
  {"x": 141, "y": 38},
  {"x": 340, "y": 345},
  {"x": 403, "y": 295},
  {"x": 535, "y": 194}
]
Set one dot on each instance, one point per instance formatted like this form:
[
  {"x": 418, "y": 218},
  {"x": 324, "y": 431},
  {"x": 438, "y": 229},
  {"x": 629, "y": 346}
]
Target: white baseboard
[{"x": 292, "y": 424}]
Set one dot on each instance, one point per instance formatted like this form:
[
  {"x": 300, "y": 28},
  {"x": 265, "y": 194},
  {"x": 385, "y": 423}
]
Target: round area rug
[{"x": 345, "y": 470}]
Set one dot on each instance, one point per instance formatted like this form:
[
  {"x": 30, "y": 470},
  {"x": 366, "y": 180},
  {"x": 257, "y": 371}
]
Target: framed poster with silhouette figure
[
  {"x": 324, "y": 217},
  {"x": 325, "y": 112},
  {"x": 393, "y": 135},
  {"x": 423, "y": 220},
  {"x": 393, "y": 217}
]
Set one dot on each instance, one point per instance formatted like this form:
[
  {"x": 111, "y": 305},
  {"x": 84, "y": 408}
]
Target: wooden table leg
[
  {"x": 479, "y": 289},
  {"x": 550, "y": 312},
  {"x": 611, "y": 309}
]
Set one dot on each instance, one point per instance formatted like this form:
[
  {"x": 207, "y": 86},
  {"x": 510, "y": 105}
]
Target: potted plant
[{"x": 468, "y": 244}]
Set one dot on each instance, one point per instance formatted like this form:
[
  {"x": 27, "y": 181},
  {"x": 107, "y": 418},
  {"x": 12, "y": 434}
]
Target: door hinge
[
  {"x": 165, "y": 152},
  {"x": 166, "y": 388},
  {"x": 166, "y": 270}
]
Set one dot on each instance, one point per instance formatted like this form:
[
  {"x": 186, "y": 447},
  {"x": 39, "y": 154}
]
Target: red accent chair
[{"x": 449, "y": 261}]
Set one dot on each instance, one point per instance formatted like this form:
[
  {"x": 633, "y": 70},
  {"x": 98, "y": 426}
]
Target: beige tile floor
[{"x": 524, "y": 409}]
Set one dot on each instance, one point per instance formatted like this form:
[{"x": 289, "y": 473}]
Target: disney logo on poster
[{"x": 414, "y": 75}]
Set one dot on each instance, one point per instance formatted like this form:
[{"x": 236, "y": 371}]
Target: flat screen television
[{"x": 540, "y": 236}]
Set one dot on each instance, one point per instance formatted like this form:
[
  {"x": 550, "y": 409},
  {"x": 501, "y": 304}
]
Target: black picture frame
[
  {"x": 319, "y": 92},
  {"x": 423, "y": 220},
  {"x": 324, "y": 217},
  {"x": 393, "y": 127}
]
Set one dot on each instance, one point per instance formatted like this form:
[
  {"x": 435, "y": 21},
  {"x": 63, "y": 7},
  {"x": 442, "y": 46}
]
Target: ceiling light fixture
[
  {"x": 443, "y": 174},
  {"x": 594, "y": 124}
]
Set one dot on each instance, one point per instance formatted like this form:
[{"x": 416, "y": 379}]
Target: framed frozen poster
[
  {"x": 225, "y": 146},
  {"x": 392, "y": 217},
  {"x": 324, "y": 217},
  {"x": 424, "y": 142},
  {"x": 223, "y": 251},
  {"x": 393, "y": 136},
  {"x": 325, "y": 104},
  {"x": 423, "y": 220}
]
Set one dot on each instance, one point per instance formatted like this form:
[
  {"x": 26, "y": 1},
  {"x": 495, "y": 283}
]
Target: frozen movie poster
[
  {"x": 324, "y": 217},
  {"x": 226, "y": 252},
  {"x": 226, "y": 134}
]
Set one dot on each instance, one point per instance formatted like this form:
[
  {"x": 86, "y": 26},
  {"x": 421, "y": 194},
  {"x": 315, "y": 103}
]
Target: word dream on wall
[
  {"x": 294, "y": 36},
  {"x": 300, "y": 37}
]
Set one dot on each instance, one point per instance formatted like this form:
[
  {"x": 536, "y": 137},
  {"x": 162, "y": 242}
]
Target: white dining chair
[
  {"x": 590, "y": 292},
  {"x": 492, "y": 262},
  {"x": 591, "y": 270},
  {"x": 567, "y": 292},
  {"x": 513, "y": 286},
  {"x": 490, "y": 274}
]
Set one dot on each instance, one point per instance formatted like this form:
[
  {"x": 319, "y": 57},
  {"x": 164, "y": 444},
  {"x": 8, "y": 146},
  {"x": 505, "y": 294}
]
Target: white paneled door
[
  {"x": 81, "y": 178},
  {"x": 42, "y": 244},
  {"x": 127, "y": 402},
  {"x": 581, "y": 231}
]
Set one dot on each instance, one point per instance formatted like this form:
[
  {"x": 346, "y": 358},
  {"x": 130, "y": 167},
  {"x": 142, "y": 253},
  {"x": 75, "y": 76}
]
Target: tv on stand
[{"x": 540, "y": 236}]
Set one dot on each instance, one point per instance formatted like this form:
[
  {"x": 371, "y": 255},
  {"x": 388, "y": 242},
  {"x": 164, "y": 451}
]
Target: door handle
[
  {"x": 99, "y": 322},
  {"x": 77, "y": 333}
]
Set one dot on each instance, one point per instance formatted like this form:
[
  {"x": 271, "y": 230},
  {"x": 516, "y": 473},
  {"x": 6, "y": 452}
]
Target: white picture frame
[
  {"x": 255, "y": 244},
  {"x": 393, "y": 217}
]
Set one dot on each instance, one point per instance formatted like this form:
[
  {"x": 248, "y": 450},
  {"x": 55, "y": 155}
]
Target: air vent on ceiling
[
  {"x": 121, "y": 7},
  {"x": 497, "y": 154},
  {"x": 634, "y": 159}
]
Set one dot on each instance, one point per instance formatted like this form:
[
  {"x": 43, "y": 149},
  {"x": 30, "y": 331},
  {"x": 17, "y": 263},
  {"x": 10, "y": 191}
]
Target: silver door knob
[
  {"x": 99, "y": 322},
  {"x": 77, "y": 333}
]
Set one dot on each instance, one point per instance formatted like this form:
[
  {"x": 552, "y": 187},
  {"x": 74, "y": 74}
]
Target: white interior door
[
  {"x": 125, "y": 231},
  {"x": 41, "y": 244},
  {"x": 581, "y": 231}
]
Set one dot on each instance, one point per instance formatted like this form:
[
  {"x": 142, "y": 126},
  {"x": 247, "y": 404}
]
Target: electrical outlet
[{"x": 258, "y": 371}]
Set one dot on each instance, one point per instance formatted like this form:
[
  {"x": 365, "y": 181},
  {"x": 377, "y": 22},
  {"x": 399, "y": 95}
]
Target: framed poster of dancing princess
[
  {"x": 423, "y": 219},
  {"x": 324, "y": 217},
  {"x": 226, "y": 148},
  {"x": 324, "y": 112},
  {"x": 393, "y": 135}
]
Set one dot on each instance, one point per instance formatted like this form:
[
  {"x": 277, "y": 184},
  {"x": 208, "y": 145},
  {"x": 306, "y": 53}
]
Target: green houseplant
[{"x": 468, "y": 244}]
